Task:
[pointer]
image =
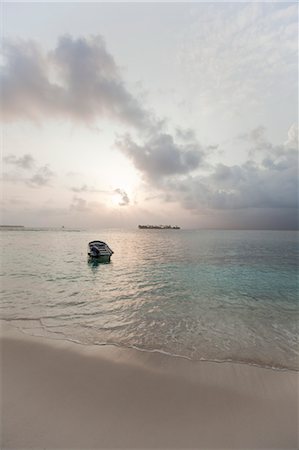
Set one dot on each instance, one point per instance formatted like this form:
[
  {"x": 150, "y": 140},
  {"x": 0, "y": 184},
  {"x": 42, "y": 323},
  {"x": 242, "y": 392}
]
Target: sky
[{"x": 119, "y": 114}]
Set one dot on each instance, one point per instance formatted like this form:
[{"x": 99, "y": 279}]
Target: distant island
[
  {"x": 12, "y": 226},
  {"x": 158, "y": 227}
]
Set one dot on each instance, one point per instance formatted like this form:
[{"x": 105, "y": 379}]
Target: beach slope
[{"x": 58, "y": 394}]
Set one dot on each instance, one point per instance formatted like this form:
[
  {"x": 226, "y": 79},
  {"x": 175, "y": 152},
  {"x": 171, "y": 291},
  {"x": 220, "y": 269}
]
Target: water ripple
[{"x": 206, "y": 295}]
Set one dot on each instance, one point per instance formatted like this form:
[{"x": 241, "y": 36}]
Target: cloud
[
  {"x": 257, "y": 186},
  {"x": 275, "y": 156},
  {"x": 15, "y": 201},
  {"x": 86, "y": 188},
  {"x": 25, "y": 171},
  {"x": 79, "y": 205},
  {"x": 24, "y": 162},
  {"x": 124, "y": 197},
  {"x": 79, "y": 80},
  {"x": 240, "y": 54},
  {"x": 41, "y": 177},
  {"x": 257, "y": 135},
  {"x": 161, "y": 156},
  {"x": 257, "y": 140},
  {"x": 186, "y": 135},
  {"x": 174, "y": 169},
  {"x": 271, "y": 184},
  {"x": 292, "y": 141}
]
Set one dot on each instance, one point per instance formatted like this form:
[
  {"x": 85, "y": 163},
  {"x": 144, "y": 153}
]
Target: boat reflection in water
[{"x": 95, "y": 264}]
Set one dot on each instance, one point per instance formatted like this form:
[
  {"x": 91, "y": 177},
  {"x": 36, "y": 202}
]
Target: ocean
[{"x": 204, "y": 295}]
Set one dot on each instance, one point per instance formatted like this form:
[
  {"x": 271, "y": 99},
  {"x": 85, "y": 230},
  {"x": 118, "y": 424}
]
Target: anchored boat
[{"x": 99, "y": 251}]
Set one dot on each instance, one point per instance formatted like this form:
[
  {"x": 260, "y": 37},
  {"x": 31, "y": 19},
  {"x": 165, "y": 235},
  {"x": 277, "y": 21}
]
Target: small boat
[{"x": 99, "y": 250}]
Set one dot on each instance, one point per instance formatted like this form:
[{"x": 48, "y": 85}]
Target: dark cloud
[
  {"x": 245, "y": 186},
  {"x": 25, "y": 162},
  {"x": 161, "y": 156},
  {"x": 268, "y": 188},
  {"x": 79, "y": 79},
  {"x": 271, "y": 184},
  {"x": 252, "y": 218},
  {"x": 124, "y": 197}
]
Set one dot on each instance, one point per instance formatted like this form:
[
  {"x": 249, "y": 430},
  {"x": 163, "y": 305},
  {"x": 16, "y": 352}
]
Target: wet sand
[{"x": 57, "y": 394}]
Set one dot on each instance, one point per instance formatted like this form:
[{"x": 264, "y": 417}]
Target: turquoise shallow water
[{"x": 204, "y": 295}]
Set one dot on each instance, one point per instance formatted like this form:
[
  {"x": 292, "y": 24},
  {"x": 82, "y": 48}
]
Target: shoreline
[
  {"x": 56, "y": 394},
  {"x": 145, "y": 350}
]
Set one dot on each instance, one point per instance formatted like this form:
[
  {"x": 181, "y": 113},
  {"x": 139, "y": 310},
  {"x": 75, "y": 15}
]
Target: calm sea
[{"x": 204, "y": 295}]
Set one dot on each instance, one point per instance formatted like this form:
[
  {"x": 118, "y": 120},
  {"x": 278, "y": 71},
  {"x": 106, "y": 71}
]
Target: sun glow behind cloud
[{"x": 125, "y": 177}]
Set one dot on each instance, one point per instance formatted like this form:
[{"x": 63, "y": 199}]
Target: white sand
[{"x": 58, "y": 394}]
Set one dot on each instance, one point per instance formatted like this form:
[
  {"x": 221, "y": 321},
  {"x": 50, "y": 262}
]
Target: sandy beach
[{"x": 57, "y": 394}]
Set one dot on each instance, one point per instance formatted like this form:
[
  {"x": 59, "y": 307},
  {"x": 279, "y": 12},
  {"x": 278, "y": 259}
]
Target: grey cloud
[
  {"x": 79, "y": 79},
  {"x": 257, "y": 141},
  {"x": 41, "y": 177},
  {"x": 275, "y": 156},
  {"x": 17, "y": 201},
  {"x": 270, "y": 185},
  {"x": 185, "y": 135},
  {"x": 255, "y": 135},
  {"x": 11, "y": 177},
  {"x": 282, "y": 161},
  {"x": 268, "y": 189},
  {"x": 79, "y": 204},
  {"x": 86, "y": 188},
  {"x": 124, "y": 197},
  {"x": 25, "y": 162},
  {"x": 253, "y": 218},
  {"x": 292, "y": 141},
  {"x": 33, "y": 177},
  {"x": 26, "y": 90},
  {"x": 161, "y": 156},
  {"x": 86, "y": 83},
  {"x": 212, "y": 147}
]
